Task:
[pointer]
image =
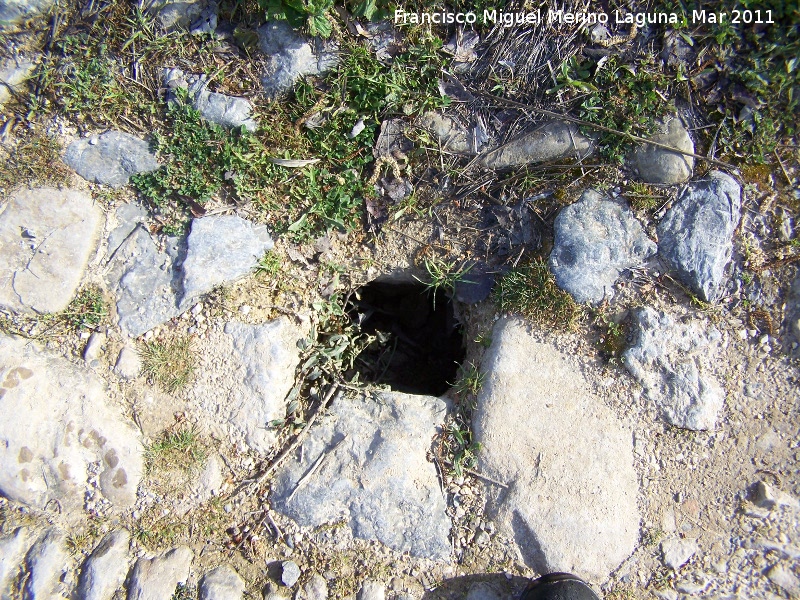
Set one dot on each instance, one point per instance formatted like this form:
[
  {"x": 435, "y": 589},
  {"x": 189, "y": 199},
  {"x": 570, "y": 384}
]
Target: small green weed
[
  {"x": 87, "y": 82},
  {"x": 612, "y": 339},
  {"x": 313, "y": 14},
  {"x": 470, "y": 380},
  {"x": 201, "y": 154},
  {"x": 459, "y": 447},
  {"x": 531, "y": 291},
  {"x": 87, "y": 310},
  {"x": 651, "y": 536},
  {"x": 154, "y": 529},
  {"x": 442, "y": 275},
  {"x": 270, "y": 265},
  {"x": 82, "y": 539},
  {"x": 624, "y": 97},
  {"x": 642, "y": 196},
  {"x": 484, "y": 339},
  {"x": 184, "y": 592},
  {"x": 170, "y": 364}
]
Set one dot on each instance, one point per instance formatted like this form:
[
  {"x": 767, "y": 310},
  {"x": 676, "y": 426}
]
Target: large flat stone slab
[
  {"x": 672, "y": 360},
  {"x": 244, "y": 378},
  {"x": 696, "y": 235},
  {"x": 45, "y": 563},
  {"x": 567, "y": 459},
  {"x": 46, "y": 239},
  {"x": 373, "y": 473},
  {"x": 64, "y": 429},
  {"x": 156, "y": 578},
  {"x": 110, "y": 158},
  {"x": 145, "y": 279},
  {"x": 104, "y": 572},
  {"x": 596, "y": 239},
  {"x": 221, "y": 249}
]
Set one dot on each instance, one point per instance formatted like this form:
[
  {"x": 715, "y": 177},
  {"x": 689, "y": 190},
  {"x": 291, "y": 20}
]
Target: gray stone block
[
  {"x": 596, "y": 239},
  {"x": 110, "y": 158},
  {"x": 373, "y": 473},
  {"x": 696, "y": 235}
]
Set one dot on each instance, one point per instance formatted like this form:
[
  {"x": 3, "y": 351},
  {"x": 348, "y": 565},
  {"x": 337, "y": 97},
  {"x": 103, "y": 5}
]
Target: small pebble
[{"x": 290, "y": 574}]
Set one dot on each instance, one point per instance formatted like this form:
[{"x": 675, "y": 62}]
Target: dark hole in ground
[{"x": 419, "y": 344}]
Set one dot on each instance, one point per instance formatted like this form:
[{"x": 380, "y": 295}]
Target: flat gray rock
[
  {"x": 14, "y": 12},
  {"x": 371, "y": 590},
  {"x": 129, "y": 364},
  {"x": 222, "y": 583},
  {"x": 104, "y": 572},
  {"x": 696, "y": 235},
  {"x": 657, "y": 165},
  {"x": 450, "y": 134},
  {"x": 13, "y": 73},
  {"x": 596, "y": 239},
  {"x": 316, "y": 588},
  {"x": 551, "y": 141},
  {"x": 110, "y": 158},
  {"x": 228, "y": 111},
  {"x": 676, "y": 552},
  {"x": 221, "y": 249},
  {"x": 290, "y": 573},
  {"x": 375, "y": 475},
  {"x": 69, "y": 425},
  {"x": 782, "y": 576},
  {"x": 244, "y": 377},
  {"x": 571, "y": 504},
  {"x": 44, "y": 564},
  {"x": 126, "y": 218},
  {"x": 145, "y": 281},
  {"x": 290, "y": 56},
  {"x": 12, "y": 552},
  {"x": 156, "y": 578},
  {"x": 672, "y": 361},
  {"x": 46, "y": 239}
]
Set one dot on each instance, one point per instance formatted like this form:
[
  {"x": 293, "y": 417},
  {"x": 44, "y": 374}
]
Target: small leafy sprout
[
  {"x": 459, "y": 444},
  {"x": 442, "y": 275},
  {"x": 311, "y": 13},
  {"x": 531, "y": 291},
  {"x": 470, "y": 381},
  {"x": 612, "y": 337},
  {"x": 87, "y": 310},
  {"x": 269, "y": 264},
  {"x": 183, "y": 592},
  {"x": 170, "y": 364},
  {"x": 484, "y": 339}
]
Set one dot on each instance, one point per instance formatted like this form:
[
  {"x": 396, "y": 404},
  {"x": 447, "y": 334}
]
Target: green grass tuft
[
  {"x": 531, "y": 291},
  {"x": 170, "y": 364}
]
